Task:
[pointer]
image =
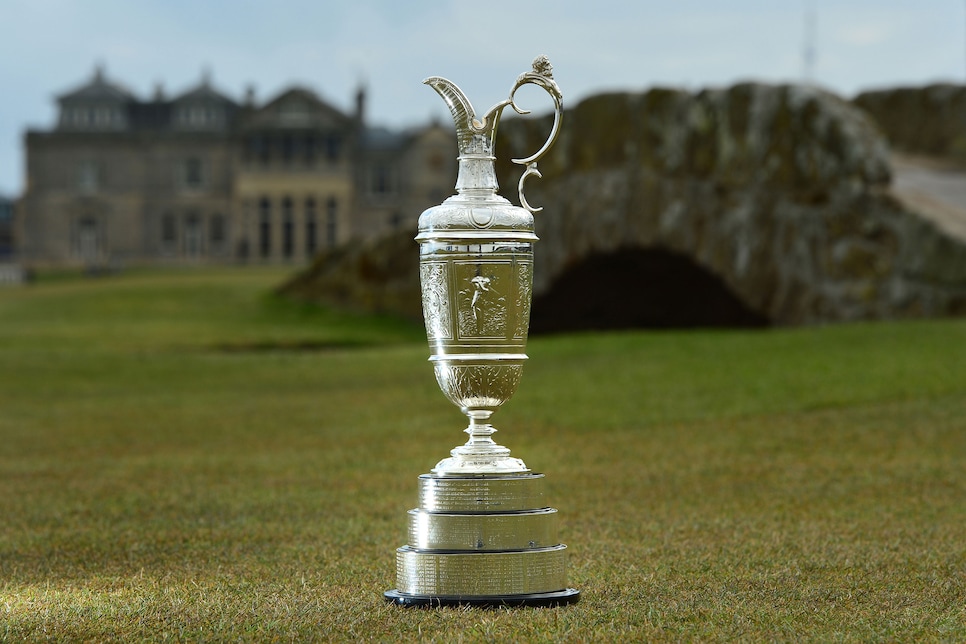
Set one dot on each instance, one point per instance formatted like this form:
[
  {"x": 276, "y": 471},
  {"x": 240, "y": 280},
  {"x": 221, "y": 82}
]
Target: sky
[{"x": 49, "y": 47}]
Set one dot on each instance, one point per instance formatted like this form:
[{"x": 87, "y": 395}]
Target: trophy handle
[{"x": 541, "y": 76}]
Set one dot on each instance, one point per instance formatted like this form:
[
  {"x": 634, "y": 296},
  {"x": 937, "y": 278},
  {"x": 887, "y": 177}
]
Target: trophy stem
[
  {"x": 480, "y": 454},
  {"x": 479, "y": 430}
]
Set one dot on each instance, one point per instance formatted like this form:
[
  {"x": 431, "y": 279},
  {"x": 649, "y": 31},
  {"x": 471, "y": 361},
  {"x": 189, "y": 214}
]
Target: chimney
[{"x": 360, "y": 103}]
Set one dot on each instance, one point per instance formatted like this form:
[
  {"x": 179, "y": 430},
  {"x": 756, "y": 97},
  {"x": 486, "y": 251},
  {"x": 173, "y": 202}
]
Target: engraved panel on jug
[
  {"x": 482, "y": 299},
  {"x": 433, "y": 277},
  {"x": 523, "y": 298}
]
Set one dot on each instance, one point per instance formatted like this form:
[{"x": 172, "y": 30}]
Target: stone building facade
[
  {"x": 6, "y": 227},
  {"x": 201, "y": 178}
]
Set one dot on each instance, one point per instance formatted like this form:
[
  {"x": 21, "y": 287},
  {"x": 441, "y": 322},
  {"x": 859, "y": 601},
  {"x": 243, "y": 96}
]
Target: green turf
[{"x": 185, "y": 457}]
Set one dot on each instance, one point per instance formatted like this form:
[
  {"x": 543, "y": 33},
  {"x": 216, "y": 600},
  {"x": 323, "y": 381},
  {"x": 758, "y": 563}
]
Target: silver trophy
[{"x": 482, "y": 534}]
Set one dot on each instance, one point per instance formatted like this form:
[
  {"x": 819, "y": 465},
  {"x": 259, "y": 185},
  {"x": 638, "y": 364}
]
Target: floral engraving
[
  {"x": 478, "y": 385},
  {"x": 524, "y": 296},
  {"x": 436, "y": 313}
]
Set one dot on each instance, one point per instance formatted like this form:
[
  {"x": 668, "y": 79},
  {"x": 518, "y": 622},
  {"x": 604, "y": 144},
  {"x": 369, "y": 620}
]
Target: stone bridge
[{"x": 744, "y": 206}]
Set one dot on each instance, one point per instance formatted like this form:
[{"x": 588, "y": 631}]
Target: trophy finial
[{"x": 542, "y": 66}]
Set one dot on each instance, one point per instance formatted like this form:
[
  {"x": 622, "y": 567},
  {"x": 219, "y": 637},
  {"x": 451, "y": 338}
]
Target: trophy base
[
  {"x": 534, "y": 600},
  {"x": 482, "y": 540}
]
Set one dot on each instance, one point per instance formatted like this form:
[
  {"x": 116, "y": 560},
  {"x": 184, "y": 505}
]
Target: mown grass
[{"x": 185, "y": 457}]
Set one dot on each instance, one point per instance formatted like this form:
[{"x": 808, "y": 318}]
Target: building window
[
  {"x": 311, "y": 244},
  {"x": 333, "y": 145},
  {"x": 288, "y": 148},
  {"x": 193, "y": 178},
  {"x": 255, "y": 149},
  {"x": 193, "y": 235},
  {"x": 199, "y": 115},
  {"x": 258, "y": 149},
  {"x": 395, "y": 220},
  {"x": 169, "y": 233},
  {"x": 381, "y": 179},
  {"x": 288, "y": 228},
  {"x": 88, "y": 177},
  {"x": 308, "y": 149},
  {"x": 331, "y": 215},
  {"x": 88, "y": 240},
  {"x": 216, "y": 231},
  {"x": 265, "y": 227},
  {"x": 294, "y": 113}
]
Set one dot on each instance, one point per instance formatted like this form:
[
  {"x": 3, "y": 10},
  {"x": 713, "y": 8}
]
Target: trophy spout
[{"x": 474, "y": 138}]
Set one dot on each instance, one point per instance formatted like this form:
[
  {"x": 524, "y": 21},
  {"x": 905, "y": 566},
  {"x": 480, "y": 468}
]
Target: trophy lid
[{"x": 460, "y": 218}]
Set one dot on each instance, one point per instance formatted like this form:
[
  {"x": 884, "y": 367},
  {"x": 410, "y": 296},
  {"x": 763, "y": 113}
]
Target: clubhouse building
[{"x": 201, "y": 178}]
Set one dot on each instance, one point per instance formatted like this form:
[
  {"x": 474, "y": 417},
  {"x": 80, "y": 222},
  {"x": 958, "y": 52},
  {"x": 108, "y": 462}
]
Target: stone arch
[{"x": 639, "y": 287}]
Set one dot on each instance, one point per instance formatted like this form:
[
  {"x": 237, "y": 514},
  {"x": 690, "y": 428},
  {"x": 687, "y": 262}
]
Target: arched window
[
  {"x": 264, "y": 227},
  {"x": 288, "y": 228},
  {"x": 311, "y": 243}
]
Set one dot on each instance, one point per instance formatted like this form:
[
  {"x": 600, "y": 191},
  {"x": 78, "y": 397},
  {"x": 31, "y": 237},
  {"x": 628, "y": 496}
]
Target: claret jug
[{"x": 482, "y": 533}]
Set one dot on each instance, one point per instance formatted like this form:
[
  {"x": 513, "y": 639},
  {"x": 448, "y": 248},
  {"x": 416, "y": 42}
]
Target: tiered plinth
[{"x": 482, "y": 540}]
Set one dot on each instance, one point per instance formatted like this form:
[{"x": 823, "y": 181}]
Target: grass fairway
[{"x": 183, "y": 457}]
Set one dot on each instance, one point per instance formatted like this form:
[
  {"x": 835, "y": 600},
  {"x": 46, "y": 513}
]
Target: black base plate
[{"x": 557, "y": 598}]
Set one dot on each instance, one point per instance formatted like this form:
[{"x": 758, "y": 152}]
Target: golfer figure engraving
[
  {"x": 482, "y": 285},
  {"x": 482, "y": 533}
]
